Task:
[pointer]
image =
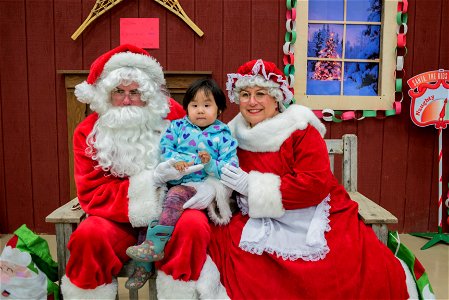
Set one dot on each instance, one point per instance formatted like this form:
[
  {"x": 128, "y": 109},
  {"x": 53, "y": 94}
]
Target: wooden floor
[{"x": 434, "y": 259}]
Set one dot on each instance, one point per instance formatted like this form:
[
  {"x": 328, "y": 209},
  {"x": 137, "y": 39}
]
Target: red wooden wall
[{"x": 397, "y": 160}]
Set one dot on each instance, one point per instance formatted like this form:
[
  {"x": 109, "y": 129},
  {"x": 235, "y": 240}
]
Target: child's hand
[
  {"x": 181, "y": 166},
  {"x": 204, "y": 156}
]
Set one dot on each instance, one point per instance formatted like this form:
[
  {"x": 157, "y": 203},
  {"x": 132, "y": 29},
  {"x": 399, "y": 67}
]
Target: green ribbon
[
  {"x": 398, "y": 85},
  {"x": 390, "y": 112},
  {"x": 337, "y": 113},
  {"x": 404, "y": 18},
  {"x": 401, "y": 18},
  {"x": 290, "y": 37},
  {"x": 369, "y": 113},
  {"x": 416, "y": 268},
  {"x": 289, "y": 70},
  {"x": 291, "y": 4}
]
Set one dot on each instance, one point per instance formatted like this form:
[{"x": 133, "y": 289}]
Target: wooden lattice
[
  {"x": 102, "y": 6},
  {"x": 175, "y": 7}
]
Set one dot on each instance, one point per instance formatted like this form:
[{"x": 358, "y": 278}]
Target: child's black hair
[{"x": 208, "y": 86}]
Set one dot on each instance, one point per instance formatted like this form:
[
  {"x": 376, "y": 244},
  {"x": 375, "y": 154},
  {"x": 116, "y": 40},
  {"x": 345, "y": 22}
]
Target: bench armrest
[
  {"x": 66, "y": 214},
  {"x": 370, "y": 212},
  {"x": 374, "y": 215}
]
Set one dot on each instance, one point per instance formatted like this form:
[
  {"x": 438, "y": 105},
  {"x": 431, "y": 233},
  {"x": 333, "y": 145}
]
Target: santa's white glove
[
  {"x": 166, "y": 171},
  {"x": 205, "y": 193},
  {"x": 235, "y": 178}
]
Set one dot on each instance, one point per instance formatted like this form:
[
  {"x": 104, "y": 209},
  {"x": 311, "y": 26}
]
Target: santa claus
[{"x": 116, "y": 152}]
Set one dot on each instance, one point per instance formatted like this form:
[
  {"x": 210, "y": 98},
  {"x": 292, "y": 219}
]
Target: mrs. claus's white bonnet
[{"x": 263, "y": 74}]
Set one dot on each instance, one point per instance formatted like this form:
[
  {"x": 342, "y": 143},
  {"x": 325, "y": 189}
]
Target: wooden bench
[{"x": 66, "y": 218}]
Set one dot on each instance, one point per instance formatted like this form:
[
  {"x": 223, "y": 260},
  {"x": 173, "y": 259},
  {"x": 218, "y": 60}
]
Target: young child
[{"x": 198, "y": 138}]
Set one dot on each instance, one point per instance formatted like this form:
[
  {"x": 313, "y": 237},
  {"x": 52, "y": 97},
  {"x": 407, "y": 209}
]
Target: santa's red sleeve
[{"x": 132, "y": 199}]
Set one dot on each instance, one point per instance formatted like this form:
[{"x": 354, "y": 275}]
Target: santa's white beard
[
  {"x": 125, "y": 140},
  {"x": 34, "y": 287}
]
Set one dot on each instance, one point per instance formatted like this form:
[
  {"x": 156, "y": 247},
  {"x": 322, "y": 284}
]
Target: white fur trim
[
  {"x": 129, "y": 59},
  {"x": 169, "y": 288},
  {"x": 84, "y": 92},
  {"x": 145, "y": 199},
  {"x": 209, "y": 285},
  {"x": 219, "y": 211},
  {"x": 71, "y": 291},
  {"x": 273, "y": 132},
  {"x": 409, "y": 281},
  {"x": 264, "y": 195},
  {"x": 15, "y": 256}
]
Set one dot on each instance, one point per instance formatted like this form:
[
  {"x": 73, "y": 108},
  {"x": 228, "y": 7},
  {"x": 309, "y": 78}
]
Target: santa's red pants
[
  {"x": 98, "y": 251},
  {"x": 185, "y": 252}
]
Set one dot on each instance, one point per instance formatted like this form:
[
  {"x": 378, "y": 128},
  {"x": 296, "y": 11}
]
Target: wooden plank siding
[
  {"x": 68, "y": 55},
  {"x": 398, "y": 161},
  {"x": 42, "y": 109},
  {"x": 15, "y": 117}
]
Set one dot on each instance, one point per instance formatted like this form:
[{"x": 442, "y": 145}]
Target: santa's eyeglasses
[{"x": 121, "y": 94}]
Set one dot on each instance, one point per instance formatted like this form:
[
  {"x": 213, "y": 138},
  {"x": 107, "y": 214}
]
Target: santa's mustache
[
  {"x": 125, "y": 140},
  {"x": 125, "y": 117}
]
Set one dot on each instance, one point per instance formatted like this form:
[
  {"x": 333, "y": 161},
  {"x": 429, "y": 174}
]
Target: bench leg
[
  {"x": 152, "y": 289},
  {"x": 381, "y": 230},
  {"x": 133, "y": 294},
  {"x": 63, "y": 232}
]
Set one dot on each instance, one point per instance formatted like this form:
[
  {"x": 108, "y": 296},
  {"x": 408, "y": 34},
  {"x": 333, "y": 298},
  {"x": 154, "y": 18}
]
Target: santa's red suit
[{"x": 330, "y": 254}]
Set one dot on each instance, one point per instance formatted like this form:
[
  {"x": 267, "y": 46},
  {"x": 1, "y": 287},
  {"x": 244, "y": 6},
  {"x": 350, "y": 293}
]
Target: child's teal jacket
[{"x": 182, "y": 140}]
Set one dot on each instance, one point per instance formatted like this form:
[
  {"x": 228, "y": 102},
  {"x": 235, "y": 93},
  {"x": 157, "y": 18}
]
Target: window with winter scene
[{"x": 345, "y": 54}]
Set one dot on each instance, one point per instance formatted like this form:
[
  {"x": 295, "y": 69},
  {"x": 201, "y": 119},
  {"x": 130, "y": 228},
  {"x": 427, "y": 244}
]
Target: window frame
[{"x": 387, "y": 64}]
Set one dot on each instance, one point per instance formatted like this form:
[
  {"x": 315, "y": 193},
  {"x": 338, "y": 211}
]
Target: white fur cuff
[
  {"x": 169, "y": 288},
  {"x": 209, "y": 285},
  {"x": 145, "y": 203},
  {"x": 264, "y": 195},
  {"x": 71, "y": 291}
]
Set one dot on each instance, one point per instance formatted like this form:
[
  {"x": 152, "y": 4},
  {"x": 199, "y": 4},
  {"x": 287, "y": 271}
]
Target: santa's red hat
[
  {"x": 265, "y": 69},
  {"x": 122, "y": 56}
]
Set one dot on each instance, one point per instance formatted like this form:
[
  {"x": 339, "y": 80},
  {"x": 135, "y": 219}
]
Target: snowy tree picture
[
  {"x": 362, "y": 42},
  {"x": 328, "y": 69},
  {"x": 324, "y": 42}
]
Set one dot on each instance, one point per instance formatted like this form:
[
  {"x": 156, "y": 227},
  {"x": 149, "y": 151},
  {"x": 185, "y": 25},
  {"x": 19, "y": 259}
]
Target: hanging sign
[
  {"x": 142, "y": 32},
  {"x": 430, "y": 93}
]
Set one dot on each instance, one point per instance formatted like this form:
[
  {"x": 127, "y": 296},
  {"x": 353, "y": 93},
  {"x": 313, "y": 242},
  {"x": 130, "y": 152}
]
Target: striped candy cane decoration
[
  {"x": 440, "y": 177},
  {"x": 440, "y": 125}
]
